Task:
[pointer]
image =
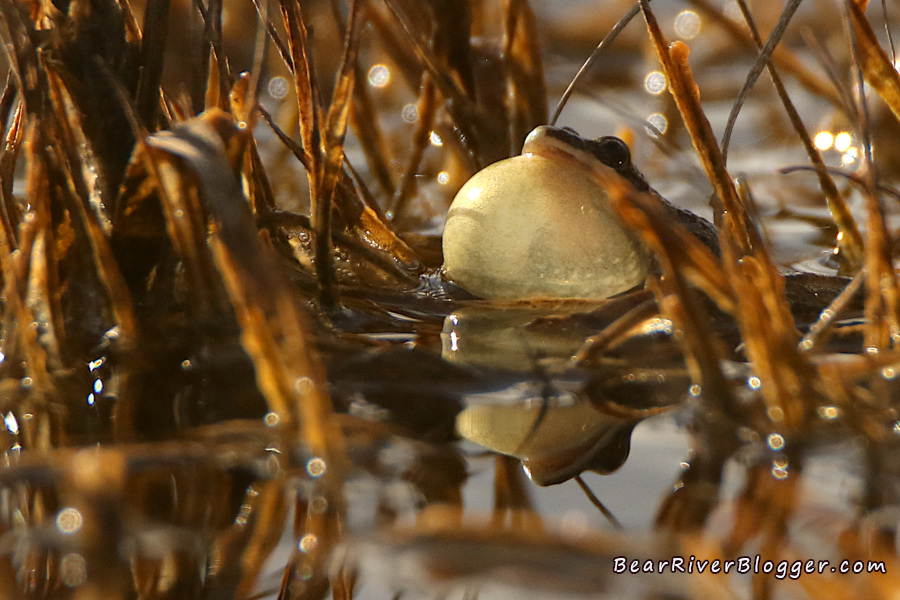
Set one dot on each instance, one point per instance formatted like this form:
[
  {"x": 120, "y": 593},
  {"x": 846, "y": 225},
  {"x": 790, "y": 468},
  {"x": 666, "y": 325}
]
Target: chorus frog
[{"x": 539, "y": 225}]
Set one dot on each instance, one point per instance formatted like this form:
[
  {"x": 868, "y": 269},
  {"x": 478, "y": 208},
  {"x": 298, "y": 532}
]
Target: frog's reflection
[
  {"x": 583, "y": 418},
  {"x": 554, "y": 440},
  {"x": 510, "y": 337}
]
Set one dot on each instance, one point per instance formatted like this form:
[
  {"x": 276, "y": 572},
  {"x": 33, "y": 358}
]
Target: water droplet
[
  {"x": 69, "y": 520},
  {"x": 775, "y": 441},
  {"x": 308, "y": 543},
  {"x": 780, "y": 474},
  {"x": 303, "y": 385},
  {"x": 889, "y": 373},
  {"x": 436, "y": 139},
  {"x": 98, "y": 386},
  {"x": 12, "y": 425},
  {"x": 243, "y": 516},
  {"x": 687, "y": 24},
  {"x": 747, "y": 435},
  {"x": 655, "y": 82},
  {"x": 278, "y": 87},
  {"x": 379, "y": 76},
  {"x": 824, "y": 140},
  {"x": 27, "y": 382},
  {"x": 454, "y": 341},
  {"x": 829, "y": 412},
  {"x": 271, "y": 419},
  {"x": 410, "y": 113},
  {"x": 73, "y": 569},
  {"x": 91, "y": 399},
  {"x": 443, "y": 178},
  {"x": 754, "y": 383},
  {"x": 843, "y": 141},
  {"x": 186, "y": 364},
  {"x": 96, "y": 364},
  {"x": 316, "y": 467},
  {"x": 318, "y": 505},
  {"x": 849, "y": 157},
  {"x": 695, "y": 390},
  {"x": 659, "y": 122}
]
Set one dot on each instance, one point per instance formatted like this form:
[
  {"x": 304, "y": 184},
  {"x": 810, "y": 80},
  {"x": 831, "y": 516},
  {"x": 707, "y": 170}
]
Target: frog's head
[{"x": 608, "y": 151}]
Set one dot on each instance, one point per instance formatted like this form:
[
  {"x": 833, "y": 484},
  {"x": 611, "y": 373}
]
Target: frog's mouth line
[{"x": 607, "y": 150}]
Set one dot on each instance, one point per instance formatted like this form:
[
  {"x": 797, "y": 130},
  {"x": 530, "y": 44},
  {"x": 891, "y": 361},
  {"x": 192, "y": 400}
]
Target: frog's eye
[{"x": 612, "y": 151}]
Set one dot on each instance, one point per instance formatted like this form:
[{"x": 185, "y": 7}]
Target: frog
[{"x": 540, "y": 226}]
